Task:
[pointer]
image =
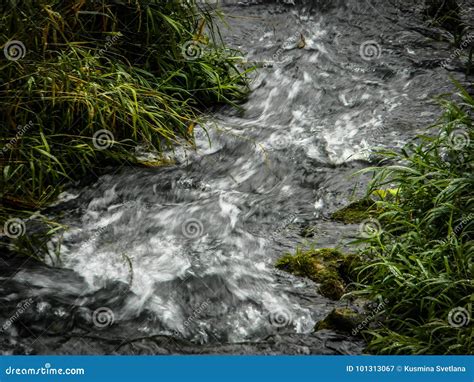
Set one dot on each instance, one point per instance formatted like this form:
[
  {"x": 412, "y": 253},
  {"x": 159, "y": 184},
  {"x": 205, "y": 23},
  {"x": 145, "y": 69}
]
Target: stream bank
[{"x": 181, "y": 259}]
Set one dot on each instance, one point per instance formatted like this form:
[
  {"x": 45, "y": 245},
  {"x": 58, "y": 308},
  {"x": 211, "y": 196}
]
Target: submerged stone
[
  {"x": 155, "y": 163},
  {"x": 356, "y": 212},
  {"x": 326, "y": 266},
  {"x": 340, "y": 319}
]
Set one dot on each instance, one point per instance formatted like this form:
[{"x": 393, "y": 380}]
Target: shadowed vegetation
[
  {"x": 447, "y": 14},
  {"x": 143, "y": 70}
]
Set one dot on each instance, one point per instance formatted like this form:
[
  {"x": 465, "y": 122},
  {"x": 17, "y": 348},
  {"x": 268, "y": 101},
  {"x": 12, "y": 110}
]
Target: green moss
[
  {"x": 340, "y": 319},
  {"x": 332, "y": 287},
  {"x": 155, "y": 163},
  {"x": 309, "y": 263},
  {"x": 86, "y": 96},
  {"x": 356, "y": 212},
  {"x": 320, "y": 265}
]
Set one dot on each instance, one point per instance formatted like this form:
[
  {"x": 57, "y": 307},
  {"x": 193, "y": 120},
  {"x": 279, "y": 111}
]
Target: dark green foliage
[
  {"x": 447, "y": 14},
  {"x": 126, "y": 66},
  {"x": 356, "y": 212},
  {"x": 422, "y": 260}
]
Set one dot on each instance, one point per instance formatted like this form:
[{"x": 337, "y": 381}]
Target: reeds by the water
[
  {"x": 83, "y": 83},
  {"x": 420, "y": 259}
]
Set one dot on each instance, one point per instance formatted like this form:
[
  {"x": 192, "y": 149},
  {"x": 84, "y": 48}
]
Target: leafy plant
[
  {"x": 421, "y": 261},
  {"x": 84, "y": 83}
]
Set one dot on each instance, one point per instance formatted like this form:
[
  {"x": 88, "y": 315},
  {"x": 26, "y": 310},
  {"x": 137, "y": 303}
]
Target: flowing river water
[{"x": 180, "y": 259}]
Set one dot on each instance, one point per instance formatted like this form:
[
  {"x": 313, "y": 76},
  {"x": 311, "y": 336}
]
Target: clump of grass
[
  {"x": 421, "y": 259},
  {"x": 92, "y": 80}
]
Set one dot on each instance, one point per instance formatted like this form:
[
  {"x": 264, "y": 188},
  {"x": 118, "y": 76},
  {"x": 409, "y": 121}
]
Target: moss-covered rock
[
  {"x": 323, "y": 266},
  {"x": 332, "y": 287},
  {"x": 356, "y": 212},
  {"x": 341, "y": 320},
  {"x": 161, "y": 162}
]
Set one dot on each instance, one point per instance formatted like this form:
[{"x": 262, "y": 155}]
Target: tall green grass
[
  {"x": 144, "y": 70},
  {"x": 421, "y": 260}
]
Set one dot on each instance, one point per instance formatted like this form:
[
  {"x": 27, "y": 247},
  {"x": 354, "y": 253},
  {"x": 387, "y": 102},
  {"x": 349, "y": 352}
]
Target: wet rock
[
  {"x": 328, "y": 267},
  {"x": 41, "y": 317},
  {"x": 13, "y": 347},
  {"x": 332, "y": 288},
  {"x": 83, "y": 317},
  {"x": 340, "y": 320},
  {"x": 356, "y": 212}
]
